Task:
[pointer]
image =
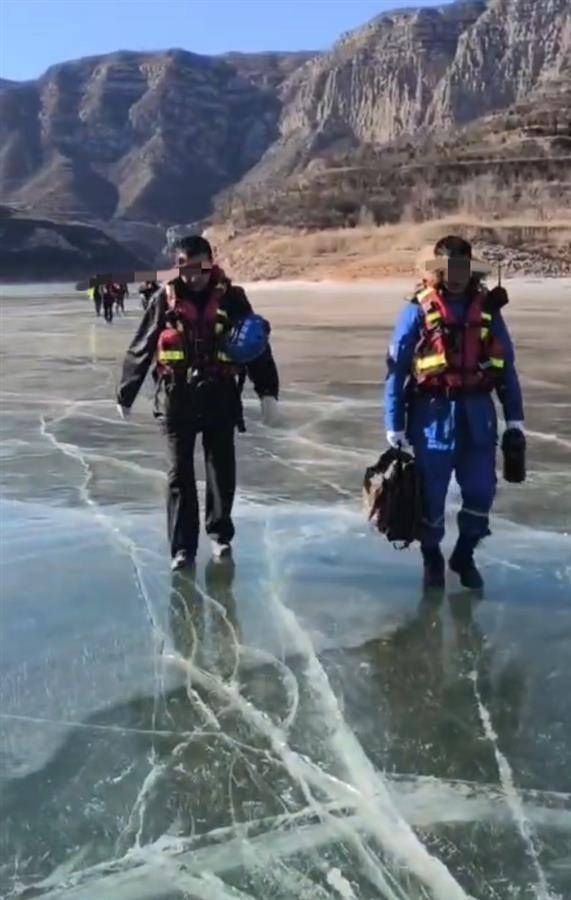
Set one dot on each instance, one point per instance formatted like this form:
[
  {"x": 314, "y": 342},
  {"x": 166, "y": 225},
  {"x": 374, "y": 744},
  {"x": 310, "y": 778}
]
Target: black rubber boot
[
  {"x": 433, "y": 568},
  {"x": 462, "y": 562}
]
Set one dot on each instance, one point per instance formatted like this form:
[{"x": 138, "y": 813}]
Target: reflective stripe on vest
[
  {"x": 496, "y": 362},
  {"x": 171, "y": 355},
  {"x": 221, "y": 326},
  {"x": 485, "y": 332},
  {"x": 431, "y": 362}
]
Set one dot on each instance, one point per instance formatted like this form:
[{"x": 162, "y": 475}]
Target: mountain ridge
[{"x": 163, "y": 137}]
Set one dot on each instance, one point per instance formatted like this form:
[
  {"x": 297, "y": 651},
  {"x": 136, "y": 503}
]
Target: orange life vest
[
  {"x": 191, "y": 342},
  {"x": 456, "y": 354}
]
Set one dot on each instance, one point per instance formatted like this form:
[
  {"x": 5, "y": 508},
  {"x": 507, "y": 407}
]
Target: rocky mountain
[
  {"x": 513, "y": 163},
  {"x": 34, "y": 249},
  {"x": 375, "y": 84},
  {"x": 414, "y": 72},
  {"x": 148, "y": 136},
  {"x": 419, "y": 114},
  {"x": 160, "y": 137},
  {"x": 267, "y": 70}
]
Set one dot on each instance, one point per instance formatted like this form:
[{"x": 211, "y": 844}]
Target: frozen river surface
[{"x": 300, "y": 722}]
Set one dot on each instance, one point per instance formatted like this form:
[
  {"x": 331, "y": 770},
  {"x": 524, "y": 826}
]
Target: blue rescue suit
[{"x": 449, "y": 435}]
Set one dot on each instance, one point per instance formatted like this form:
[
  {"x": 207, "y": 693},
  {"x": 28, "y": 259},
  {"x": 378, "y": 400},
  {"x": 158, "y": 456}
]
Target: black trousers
[
  {"x": 108, "y": 310},
  {"x": 183, "y": 520}
]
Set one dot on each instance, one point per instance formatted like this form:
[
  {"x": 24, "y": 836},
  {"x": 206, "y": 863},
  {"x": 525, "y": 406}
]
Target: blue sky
[{"x": 34, "y": 34}]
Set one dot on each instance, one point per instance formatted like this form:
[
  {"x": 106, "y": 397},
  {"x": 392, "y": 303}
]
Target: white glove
[
  {"x": 518, "y": 425},
  {"x": 270, "y": 412},
  {"x": 124, "y": 411},
  {"x": 397, "y": 439}
]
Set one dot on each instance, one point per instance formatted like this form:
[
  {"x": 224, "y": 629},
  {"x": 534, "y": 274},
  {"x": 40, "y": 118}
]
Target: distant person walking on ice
[
  {"x": 146, "y": 291},
  {"x": 449, "y": 351},
  {"x": 94, "y": 293},
  {"x": 202, "y": 335},
  {"x": 108, "y": 302},
  {"x": 120, "y": 292}
]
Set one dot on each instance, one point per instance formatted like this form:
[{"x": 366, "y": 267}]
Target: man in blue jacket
[{"x": 450, "y": 350}]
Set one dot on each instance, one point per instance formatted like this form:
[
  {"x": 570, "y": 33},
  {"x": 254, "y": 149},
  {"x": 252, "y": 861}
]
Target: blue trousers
[{"x": 460, "y": 437}]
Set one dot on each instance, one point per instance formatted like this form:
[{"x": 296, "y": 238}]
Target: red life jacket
[
  {"x": 456, "y": 354},
  {"x": 191, "y": 342}
]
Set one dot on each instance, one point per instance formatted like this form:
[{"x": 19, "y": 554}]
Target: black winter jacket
[{"x": 223, "y": 396}]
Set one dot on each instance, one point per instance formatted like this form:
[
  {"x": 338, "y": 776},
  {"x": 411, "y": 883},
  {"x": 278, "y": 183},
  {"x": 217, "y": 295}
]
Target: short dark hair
[
  {"x": 193, "y": 245},
  {"x": 451, "y": 245}
]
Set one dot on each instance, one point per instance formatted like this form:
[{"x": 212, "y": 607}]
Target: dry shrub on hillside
[{"x": 485, "y": 196}]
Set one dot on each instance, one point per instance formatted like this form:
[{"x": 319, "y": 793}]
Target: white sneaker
[
  {"x": 182, "y": 560},
  {"x": 220, "y": 550}
]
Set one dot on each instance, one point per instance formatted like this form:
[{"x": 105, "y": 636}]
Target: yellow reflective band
[
  {"x": 223, "y": 313},
  {"x": 486, "y": 316},
  {"x": 496, "y": 362},
  {"x": 219, "y": 328},
  {"x": 171, "y": 355},
  {"x": 424, "y": 294},
  {"x": 484, "y": 333},
  {"x": 433, "y": 316},
  {"x": 221, "y": 357},
  {"x": 431, "y": 362}
]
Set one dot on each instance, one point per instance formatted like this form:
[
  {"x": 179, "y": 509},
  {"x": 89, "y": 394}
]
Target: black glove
[
  {"x": 513, "y": 449},
  {"x": 497, "y": 297}
]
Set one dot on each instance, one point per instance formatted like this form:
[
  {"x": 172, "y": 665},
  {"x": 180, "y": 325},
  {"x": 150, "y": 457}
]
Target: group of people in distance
[{"x": 110, "y": 298}]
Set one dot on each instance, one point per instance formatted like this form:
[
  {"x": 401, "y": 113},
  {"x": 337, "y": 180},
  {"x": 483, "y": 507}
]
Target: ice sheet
[{"x": 301, "y": 722}]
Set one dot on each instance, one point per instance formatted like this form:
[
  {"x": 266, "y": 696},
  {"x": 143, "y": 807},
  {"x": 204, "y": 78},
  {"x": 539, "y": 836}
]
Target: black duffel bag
[{"x": 392, "y": 491}]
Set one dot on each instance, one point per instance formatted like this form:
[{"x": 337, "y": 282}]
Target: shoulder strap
[
  {"x": 478, "y": 306},
  {"x": 433, "y": 307},
  {"x": 217, "y": 293}
]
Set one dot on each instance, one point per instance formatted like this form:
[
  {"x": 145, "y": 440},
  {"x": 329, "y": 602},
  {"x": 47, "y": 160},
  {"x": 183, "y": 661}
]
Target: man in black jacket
[{"x": 197, "y": 391}]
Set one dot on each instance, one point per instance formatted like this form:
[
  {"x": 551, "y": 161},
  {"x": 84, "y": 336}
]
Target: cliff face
[
  {"x": 510, "y": 50},
  {"x": 377, "y": 82},
  {"x": 146, "y": 136},
  {"x": 417, "y": 71}
]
